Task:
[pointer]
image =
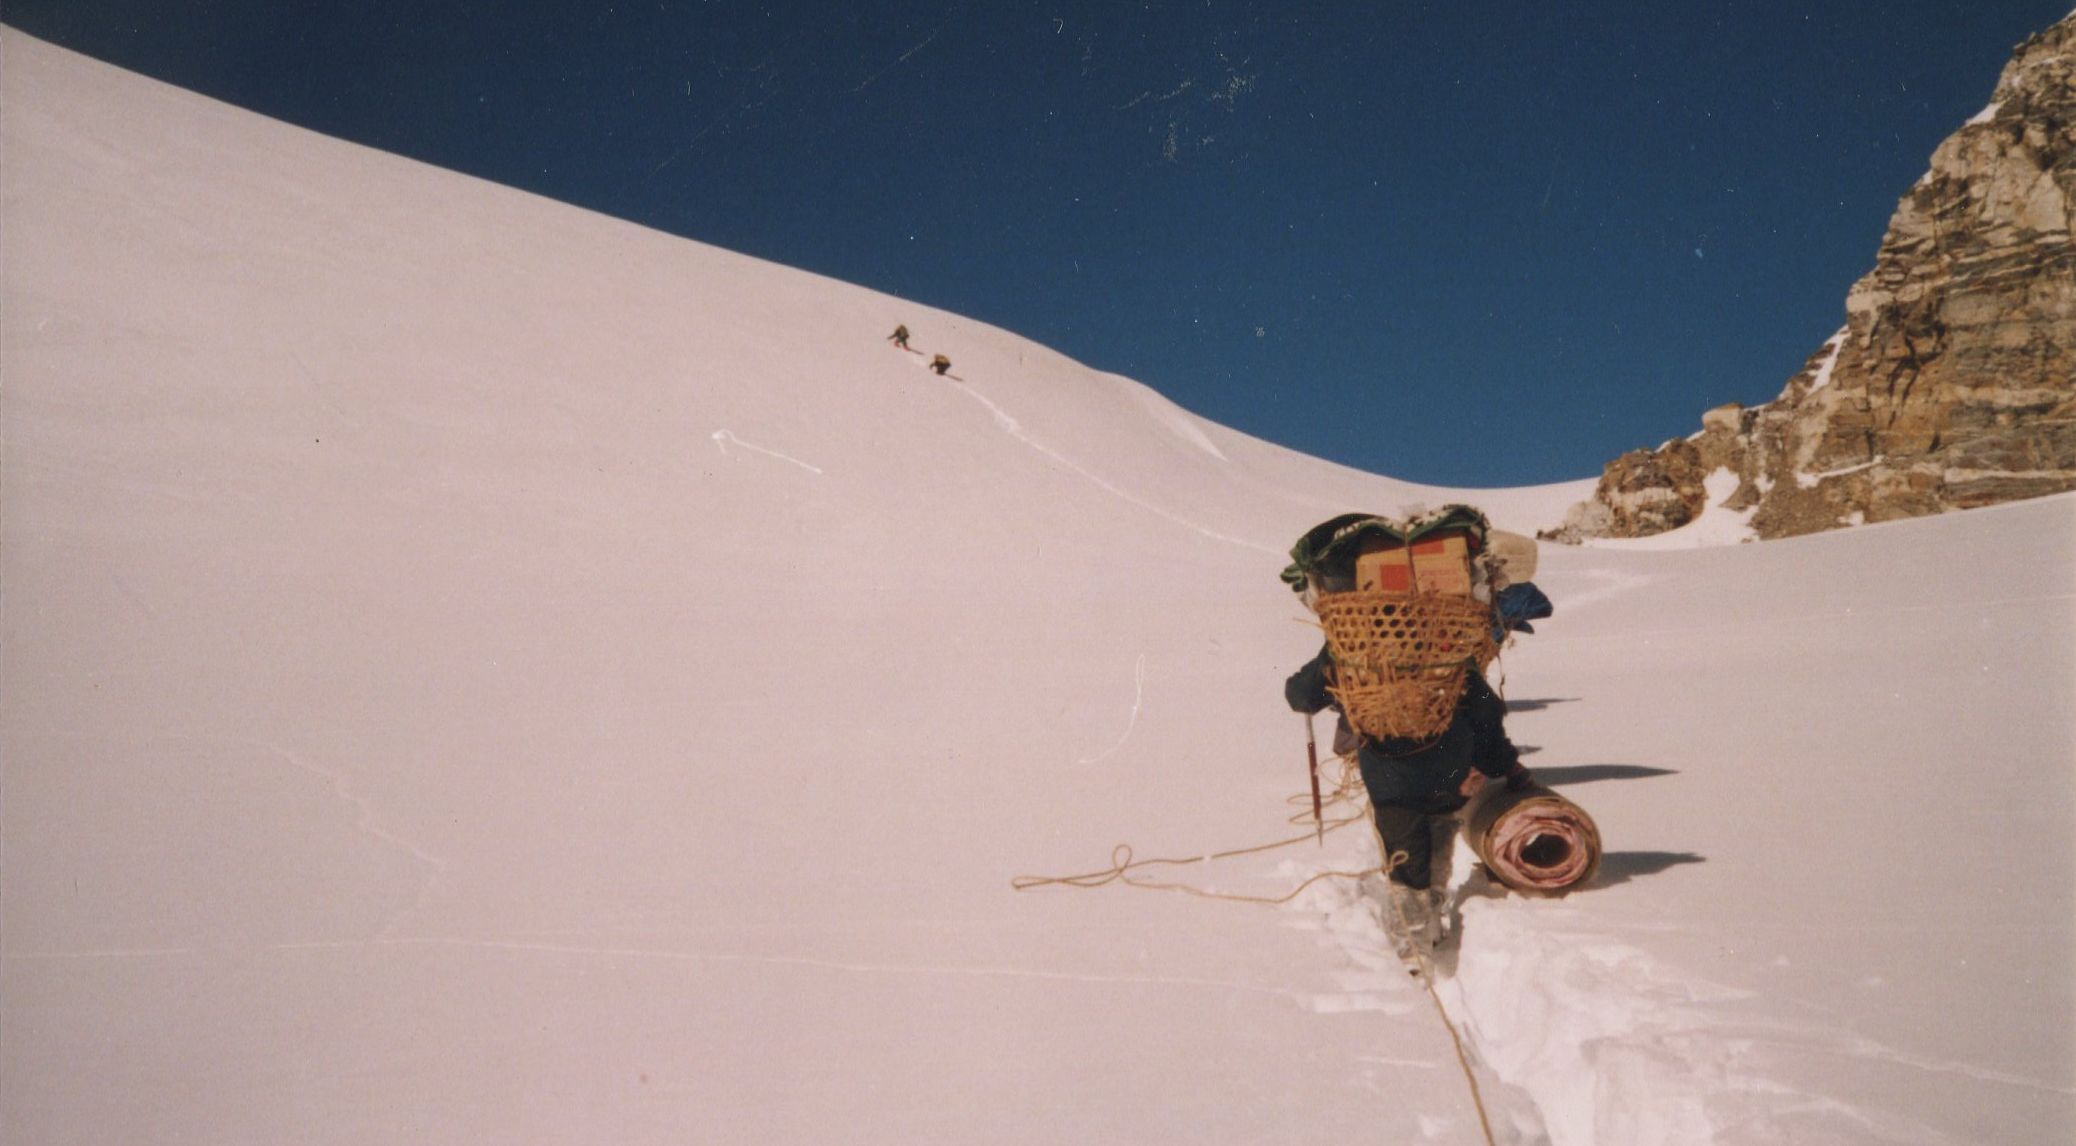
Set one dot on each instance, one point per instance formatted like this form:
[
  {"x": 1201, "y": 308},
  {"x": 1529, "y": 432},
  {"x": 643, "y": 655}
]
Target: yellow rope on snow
[
  {"x": 1348, "y": 791},
  {"x": 1470, "y": 1077}
]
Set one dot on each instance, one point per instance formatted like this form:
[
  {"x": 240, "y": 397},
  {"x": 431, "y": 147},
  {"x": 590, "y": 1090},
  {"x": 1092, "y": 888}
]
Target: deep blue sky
[{"x": 1456, "y": 241}]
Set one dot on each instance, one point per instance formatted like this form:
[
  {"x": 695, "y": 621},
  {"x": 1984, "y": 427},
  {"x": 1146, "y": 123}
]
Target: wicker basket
[{"x": 1401, "y": 659}]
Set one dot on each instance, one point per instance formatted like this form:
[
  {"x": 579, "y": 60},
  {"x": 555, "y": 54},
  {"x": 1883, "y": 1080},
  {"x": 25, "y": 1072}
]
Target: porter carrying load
[{"x": 1414, "y": 611}]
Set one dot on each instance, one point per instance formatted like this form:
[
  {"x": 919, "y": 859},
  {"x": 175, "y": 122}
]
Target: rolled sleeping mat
[{"x": 1532, "y": 840}]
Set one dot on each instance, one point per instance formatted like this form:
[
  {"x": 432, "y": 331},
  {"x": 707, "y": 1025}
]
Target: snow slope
[{"x": 472, "y": 670}]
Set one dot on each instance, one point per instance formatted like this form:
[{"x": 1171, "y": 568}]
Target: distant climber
[
  {"x": 940, "y": 364},
  {"x": 899, "y": 337},
  {"x": 1411, "y": 621}
]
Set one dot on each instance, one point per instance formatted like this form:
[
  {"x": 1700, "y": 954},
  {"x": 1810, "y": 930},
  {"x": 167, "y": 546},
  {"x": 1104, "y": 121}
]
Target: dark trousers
[
  {"x": 1415, "y": 796},
  {"x": 1413, "y": 837}
]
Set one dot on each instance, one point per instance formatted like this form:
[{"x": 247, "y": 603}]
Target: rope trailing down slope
[{"x": 1532, "y": 839}]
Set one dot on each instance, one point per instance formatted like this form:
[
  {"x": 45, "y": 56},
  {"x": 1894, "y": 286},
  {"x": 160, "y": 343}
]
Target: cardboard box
[
  {"x": 1384, "y": 569},
  {"x": 1442, "y": 564},
  {"x": 1437, "y": 565}
]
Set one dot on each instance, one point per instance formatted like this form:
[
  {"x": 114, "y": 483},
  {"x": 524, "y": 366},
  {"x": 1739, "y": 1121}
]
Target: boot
[{"x": 1413, "y": 920}]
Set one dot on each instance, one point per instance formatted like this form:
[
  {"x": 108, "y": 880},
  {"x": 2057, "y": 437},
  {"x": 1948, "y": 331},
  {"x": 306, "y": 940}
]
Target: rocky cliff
[{"x": 1953, "y": 382}]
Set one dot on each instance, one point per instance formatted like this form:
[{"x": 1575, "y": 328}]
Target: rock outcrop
[{"x": 1953, "y": 382}]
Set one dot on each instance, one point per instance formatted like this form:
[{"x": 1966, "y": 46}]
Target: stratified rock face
[
  {"x": 1651, "y": 491},
  {"x": 1953, "y": 383}
]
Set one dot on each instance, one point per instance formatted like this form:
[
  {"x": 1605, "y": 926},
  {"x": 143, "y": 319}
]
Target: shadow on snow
[
  {"x": 1539, "y": 704},
  {"x": 1558, "y": 775},
  {"x": 1621, "y": 867}
]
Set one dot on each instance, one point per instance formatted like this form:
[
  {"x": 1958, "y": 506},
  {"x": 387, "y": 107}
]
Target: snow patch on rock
[
  {"x": 1716, "y": 525},
  {"x": 1812, "y": 480},
  {"x": 1830, "y": 363}
]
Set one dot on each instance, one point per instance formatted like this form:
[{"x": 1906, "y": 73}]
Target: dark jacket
[{"x": 1423, "y": 776}]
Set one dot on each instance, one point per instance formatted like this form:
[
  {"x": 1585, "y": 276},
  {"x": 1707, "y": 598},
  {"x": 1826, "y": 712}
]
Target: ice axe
[{"x": 1312, "y": 759}]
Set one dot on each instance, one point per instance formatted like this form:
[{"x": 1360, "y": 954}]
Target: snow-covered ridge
[{"x": 472, "y": 670}]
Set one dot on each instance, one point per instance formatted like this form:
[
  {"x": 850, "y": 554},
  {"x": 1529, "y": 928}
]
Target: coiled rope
[{"x": 1347, "y": 794}]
